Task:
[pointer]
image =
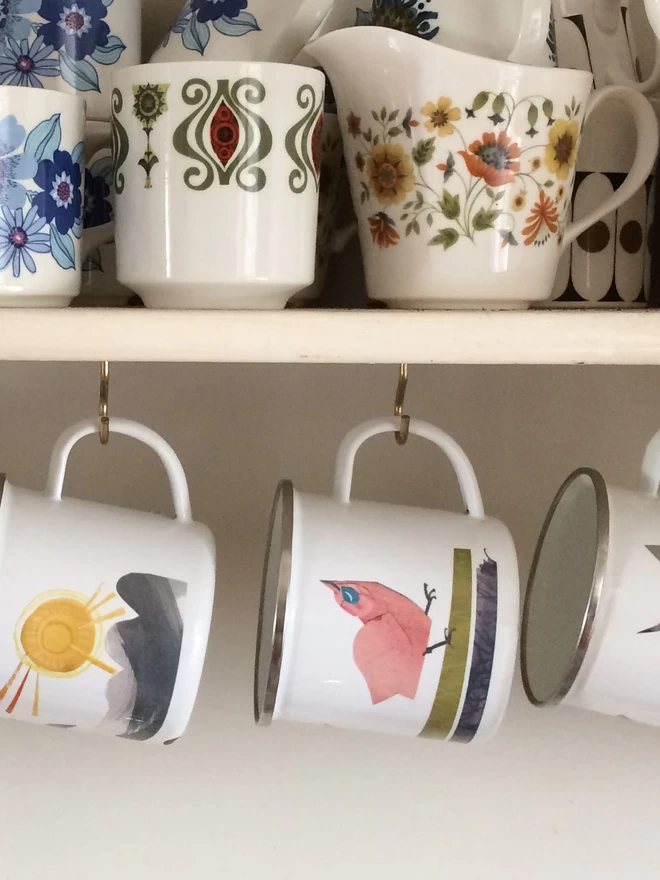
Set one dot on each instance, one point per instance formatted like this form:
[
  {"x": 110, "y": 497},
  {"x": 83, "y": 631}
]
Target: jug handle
[
  {"x": 607, "y": 15},
  {"x": 68, "y": 439},
  {"x": 461, "y": 463}
]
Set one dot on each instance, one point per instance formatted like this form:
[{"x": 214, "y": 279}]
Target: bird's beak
[{"x": 331, "y": 584}]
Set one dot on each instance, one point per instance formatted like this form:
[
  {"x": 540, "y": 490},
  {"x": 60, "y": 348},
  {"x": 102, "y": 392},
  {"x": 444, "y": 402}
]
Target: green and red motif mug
[
  {"x": 462, "y": 168},
  {"x": 217, "y": 168}
]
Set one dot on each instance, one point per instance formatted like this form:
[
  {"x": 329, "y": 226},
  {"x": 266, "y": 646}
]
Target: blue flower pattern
[
  {"x": 229, "y": 17},
  {"x": 46, "y": 218},
  {"x": 73, "y": 37}
]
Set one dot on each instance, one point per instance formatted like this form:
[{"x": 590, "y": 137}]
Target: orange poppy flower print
[
  {"x": 382, "y": 230},
  {"x": 495, "y": 158},
  {"x": 542, "y": 222}
]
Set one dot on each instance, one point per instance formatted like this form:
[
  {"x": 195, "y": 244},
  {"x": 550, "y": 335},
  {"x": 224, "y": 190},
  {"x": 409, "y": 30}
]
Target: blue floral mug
[
  {"x": 242, "y": 30},
  {"x": 69, "y": 45},
  {"x": 41, "y": 198}
]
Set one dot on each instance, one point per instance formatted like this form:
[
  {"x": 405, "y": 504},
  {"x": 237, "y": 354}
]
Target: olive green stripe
[{"x": 455, "y": 661}]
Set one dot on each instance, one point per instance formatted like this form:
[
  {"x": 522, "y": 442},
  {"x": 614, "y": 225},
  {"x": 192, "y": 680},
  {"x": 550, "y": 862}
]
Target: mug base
[
  {"x": 214, "y": 297},
  {"x": 27, "y": 301},
  {"x": 467, "y": 305}
]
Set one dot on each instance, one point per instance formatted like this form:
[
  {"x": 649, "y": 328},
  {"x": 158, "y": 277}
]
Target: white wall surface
[{"x": 558, "y": 793}]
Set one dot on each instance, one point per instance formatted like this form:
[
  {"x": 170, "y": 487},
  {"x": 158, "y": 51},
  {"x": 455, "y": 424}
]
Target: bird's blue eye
[{"x": 350, "y": 596}]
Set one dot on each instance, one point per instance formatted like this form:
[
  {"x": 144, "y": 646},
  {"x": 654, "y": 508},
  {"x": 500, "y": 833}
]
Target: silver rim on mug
[
  {"x": 595, "y": 593},
  {"x": 270, "y": 632}
]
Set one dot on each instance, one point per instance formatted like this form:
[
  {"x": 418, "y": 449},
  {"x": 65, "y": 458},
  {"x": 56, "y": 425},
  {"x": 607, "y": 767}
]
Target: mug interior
[
  {"x": 274, "y": 590},
  {"x": 564, "y": 588}
]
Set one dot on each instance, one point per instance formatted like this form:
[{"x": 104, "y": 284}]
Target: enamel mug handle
[
  {"x": 646, "y": 124},
  {"x": 174, "y": 468},
  {"x": 461, "y": 463}
]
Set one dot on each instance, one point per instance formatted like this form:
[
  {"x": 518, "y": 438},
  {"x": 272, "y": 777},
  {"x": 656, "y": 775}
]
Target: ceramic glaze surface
[
  {"x": 242, "y": 30},
  {"x": 70, "y": 46},
  {"x": 41, "y": 197},
  {"x": 104, "y": 630},
  {"x": 472, "y": 186},
  {"x": 221, "y": 161}
]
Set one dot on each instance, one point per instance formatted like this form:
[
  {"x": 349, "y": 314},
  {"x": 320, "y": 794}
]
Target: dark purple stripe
[{"x": 481, "y": 668}]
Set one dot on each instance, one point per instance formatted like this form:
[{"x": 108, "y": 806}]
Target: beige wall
[{"x": 558, "y": 792}]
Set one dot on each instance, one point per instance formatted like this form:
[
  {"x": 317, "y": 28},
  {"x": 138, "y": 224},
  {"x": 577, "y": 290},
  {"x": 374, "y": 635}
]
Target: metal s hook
[
  {"x": 104, "y": 411},
  {"x": 402, "y": 434}
]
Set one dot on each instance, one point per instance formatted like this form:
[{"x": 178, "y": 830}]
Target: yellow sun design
[{"x": 59, "y": 635}]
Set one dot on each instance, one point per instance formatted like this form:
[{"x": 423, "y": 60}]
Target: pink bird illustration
[{"x": 390, "y": 648}]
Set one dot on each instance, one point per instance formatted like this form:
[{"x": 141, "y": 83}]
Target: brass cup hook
[
  {"x": 402, "y": 434},
  {"x": 104, "y": 411}
]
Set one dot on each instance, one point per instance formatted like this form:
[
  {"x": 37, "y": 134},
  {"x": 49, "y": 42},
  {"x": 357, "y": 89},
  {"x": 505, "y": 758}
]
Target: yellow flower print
[
  {"x": 391, "y": 173},
  {"x": 441, "y": 115},
  {"x": 535, "y": 164},
  {"x": 519, "y": 202},
  {"x": 561, "y": 152}
]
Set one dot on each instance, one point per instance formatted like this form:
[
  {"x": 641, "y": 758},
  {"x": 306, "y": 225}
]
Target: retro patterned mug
[
  {"x": 591, "y": 623},
  {"x": 41, "y": 197},
  {"x": 471, "y": 186},
  {"x": 103, "y": 630},
  {"x": 217, "y": 182},
  {"x": 242, "y": 30},
  {"x": 71, "y": 46},
  {"x": 387, "y": 618}
]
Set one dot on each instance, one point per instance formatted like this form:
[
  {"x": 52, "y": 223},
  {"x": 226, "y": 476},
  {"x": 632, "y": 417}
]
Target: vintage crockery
[
  {"x": 462, "y": 196},
  {"x": 609, "y": 264},
  {"x": 70, "y": 45},
  {"x": 591, "y": 627},
  {"x": 383, "y": 617},
  {"x": 216, "y": 180},
  {"x": 41, "y": 198},
  {"x": 242, "y": 30},
  {"x": 329, "y": 239},
  {"x": 104, "y": 629},
  {"x": 519, "y": 31}
]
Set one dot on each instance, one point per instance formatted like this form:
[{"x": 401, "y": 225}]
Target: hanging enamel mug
[
  {"x": 104, "y": 612},
  {"x": 591, "y": 624},
  {"x": 387, "y": 618}
]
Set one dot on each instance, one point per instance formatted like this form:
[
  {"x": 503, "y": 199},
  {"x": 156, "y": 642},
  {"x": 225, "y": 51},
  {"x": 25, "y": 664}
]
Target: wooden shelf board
[{"x": 332, "y": 337}]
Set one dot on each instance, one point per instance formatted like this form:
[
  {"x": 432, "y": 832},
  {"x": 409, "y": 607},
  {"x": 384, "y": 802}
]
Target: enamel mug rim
[{"x": 575, "y": 663}]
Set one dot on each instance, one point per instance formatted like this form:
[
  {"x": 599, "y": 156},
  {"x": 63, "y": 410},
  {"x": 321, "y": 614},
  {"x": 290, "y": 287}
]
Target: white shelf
[{"x": 332, "y": 337}]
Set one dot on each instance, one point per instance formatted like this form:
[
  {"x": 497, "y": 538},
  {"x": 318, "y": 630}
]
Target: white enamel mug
[
  {"x": 591, "y": 625},
  {"x": 242, "y": 30},
  {"x": 387, "y": 618},
  {"x": 104, "y": 612},
  {"x": 510, "y": 30}
]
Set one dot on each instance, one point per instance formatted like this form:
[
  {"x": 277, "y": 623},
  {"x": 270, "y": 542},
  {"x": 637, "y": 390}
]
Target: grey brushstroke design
[
  {"x": 655, "y": 550},
  {"x": 148, "y": 648},
  {"x": 483, "y": 653}
]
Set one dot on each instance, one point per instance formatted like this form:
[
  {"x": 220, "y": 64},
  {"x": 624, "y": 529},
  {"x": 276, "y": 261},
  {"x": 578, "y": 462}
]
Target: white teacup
[
  {"x": 462, "y": 189},
  {"x": 387, "y": 618},
  {"x": 41, "y": 197},
  {"x": 104, "y": 629},
  {"x": 71, "y": 47},
  {"x": 242, "y": 30},
  {"x": 217, "y": 182},
  {"x": 509, "y": 30},
  {"x": 591, "y": 625}
]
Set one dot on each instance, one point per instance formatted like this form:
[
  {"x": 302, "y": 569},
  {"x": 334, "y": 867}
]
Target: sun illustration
[{"x": 59, "y": 635}]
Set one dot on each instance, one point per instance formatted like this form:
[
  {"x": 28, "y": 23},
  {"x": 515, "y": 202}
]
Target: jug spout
[{"x": 346, "y": 54}]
